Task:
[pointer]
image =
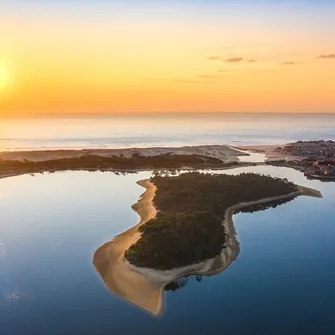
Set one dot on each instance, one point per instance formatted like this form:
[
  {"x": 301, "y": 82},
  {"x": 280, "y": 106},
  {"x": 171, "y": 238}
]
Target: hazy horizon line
[{"x": 153, "y": 114}]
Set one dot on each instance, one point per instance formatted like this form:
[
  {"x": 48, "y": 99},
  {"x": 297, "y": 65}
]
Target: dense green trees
[
  {"x": 177, "y": 239},
  {"x": 98, "y": 162},
  {"x": 188, "y": 227}
]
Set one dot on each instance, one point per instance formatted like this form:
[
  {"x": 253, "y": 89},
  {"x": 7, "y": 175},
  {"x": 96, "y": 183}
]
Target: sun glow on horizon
[
  {"x": 4, "y": 77},
  {"x": 166, "y": 57}
]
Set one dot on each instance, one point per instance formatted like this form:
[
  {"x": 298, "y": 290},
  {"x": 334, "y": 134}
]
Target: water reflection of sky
[
  {"x": 2, "y": 249},
  {"x": 254, "y": 157},
  {"x": 51, "y": 225}
]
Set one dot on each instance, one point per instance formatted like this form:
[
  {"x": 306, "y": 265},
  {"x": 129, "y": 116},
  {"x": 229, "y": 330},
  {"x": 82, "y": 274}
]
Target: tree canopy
[{"x": 188, "y": 226}]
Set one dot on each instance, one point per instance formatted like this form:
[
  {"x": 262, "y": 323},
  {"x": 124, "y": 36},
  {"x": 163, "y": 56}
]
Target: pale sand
[
  {"x": 117, "y": 275},
  {"x": 222, "y": 152},
  {"x": 14, "y": 174},
  {"x": 145, "y": 287},
  {"x": 268, "y": 150}
]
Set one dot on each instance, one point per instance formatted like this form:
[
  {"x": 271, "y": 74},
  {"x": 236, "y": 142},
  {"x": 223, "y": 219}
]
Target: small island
[
  {"x": 184, "y": 219},
  {"x": 191, "y": 207}
]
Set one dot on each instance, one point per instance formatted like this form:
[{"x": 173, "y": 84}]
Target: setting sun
[{"x": 3, "y": 77}]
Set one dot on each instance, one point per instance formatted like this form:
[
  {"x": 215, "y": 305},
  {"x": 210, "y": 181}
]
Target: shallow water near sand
[{"x": 281, "y": 283}]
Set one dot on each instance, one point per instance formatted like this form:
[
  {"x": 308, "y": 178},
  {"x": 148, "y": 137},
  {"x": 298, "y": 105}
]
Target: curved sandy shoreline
[
  {"x": 230, "y": 211},
  {"x": 120, "y": 278},
  {"x": 144, "y": 287},
  {"x": 171, "y": 275}
]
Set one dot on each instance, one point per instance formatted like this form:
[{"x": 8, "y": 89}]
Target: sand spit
[
  {"x": 120, "y": 278},
  {"x": 222, "y": 152},
  {"x": 144, "y": 287}
]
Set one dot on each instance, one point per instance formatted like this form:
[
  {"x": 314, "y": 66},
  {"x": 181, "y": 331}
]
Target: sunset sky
[{"x": 166, "y": 56}]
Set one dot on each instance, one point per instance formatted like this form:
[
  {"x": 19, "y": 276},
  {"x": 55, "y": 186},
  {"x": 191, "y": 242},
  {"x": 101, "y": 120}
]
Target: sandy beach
[
  {"x": 222, "y": 152},
  {"x": 120, "y": 278}
]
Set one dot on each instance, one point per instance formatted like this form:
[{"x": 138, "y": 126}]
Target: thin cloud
[
  {"x": 234, "y": 72},
  {"x": 209, "y": 76},
  {"x": 329, "y": 56},
  {"x": 185, "y": 81},
  {"x": 195, "y": 81},
  {"x": 234, "y": 60},
  {"x": 200, "y": 78},
  {"x": 252, "y": 71},
  {"x": 288, "y": 63},
  {"x": 205, "y": 76}
]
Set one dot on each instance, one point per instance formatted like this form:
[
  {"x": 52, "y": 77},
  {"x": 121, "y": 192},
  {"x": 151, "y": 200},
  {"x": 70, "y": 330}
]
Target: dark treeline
[
  {"x": 114, "y": 162},
  {"x": 188, "y": 226}
]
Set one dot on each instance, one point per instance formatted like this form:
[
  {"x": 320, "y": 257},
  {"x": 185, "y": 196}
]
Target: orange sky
[{"x": 165, "y": 58}]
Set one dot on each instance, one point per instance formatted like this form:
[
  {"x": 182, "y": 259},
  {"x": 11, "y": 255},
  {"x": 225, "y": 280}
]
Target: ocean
[{"x": 162, "y": 130}]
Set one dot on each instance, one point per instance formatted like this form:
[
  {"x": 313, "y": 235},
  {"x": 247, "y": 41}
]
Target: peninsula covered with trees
[
  {"x": 190, "y": 210},
  {"x": 120, "y": 160},
  {"x": 114, "y": 163}
]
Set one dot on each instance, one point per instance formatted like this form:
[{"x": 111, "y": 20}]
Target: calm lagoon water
[
  {"x": 163, "y": 130},
  {"x": 281, "y": 283}
]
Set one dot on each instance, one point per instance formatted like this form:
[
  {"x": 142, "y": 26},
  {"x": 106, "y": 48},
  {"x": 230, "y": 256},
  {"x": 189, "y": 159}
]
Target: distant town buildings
[{"x": 315, "y": 158}]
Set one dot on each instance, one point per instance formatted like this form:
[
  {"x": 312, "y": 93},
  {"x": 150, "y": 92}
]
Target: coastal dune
[
  {"x": 14, "y": 163},
  {"x": 223, "y": 152}
]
